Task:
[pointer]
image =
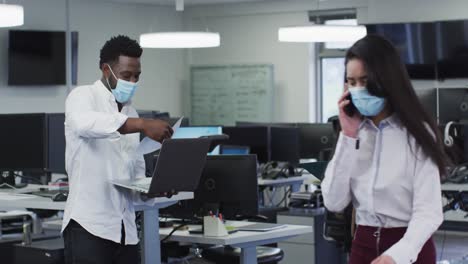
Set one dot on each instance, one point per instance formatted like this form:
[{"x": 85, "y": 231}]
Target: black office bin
[{"x": 42, "y": 252}]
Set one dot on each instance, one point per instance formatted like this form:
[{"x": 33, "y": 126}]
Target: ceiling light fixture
[
  {"x": 180, "y": 39},
  {"x": 322, "y": 33},
  {"x": 11, "y": 15}
]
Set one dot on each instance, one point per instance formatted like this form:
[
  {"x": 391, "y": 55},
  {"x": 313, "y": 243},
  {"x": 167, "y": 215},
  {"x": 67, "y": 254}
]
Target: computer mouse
[{"x": 60, "y": 197}]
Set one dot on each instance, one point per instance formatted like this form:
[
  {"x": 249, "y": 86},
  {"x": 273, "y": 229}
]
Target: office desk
[
  {"x": 247, "y": 241},
  {"x": 151, "y": 250},
  {"x": 285, "y": 181},
  {"x": 295, "y": 183},
  {"x": 454, "y": 187}
]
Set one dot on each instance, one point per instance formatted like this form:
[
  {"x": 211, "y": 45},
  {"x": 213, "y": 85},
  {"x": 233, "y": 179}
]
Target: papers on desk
[
  {"x": 147, "y": 145},
  {"x": 260, "y": 227},
  {"x": 14, "y": 196}
]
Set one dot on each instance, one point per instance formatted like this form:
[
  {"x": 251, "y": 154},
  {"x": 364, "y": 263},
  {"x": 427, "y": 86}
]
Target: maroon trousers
[{"x": 364, "y": 248}]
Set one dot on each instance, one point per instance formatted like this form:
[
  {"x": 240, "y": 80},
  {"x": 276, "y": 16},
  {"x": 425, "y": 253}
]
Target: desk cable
[{"x": 180, "y": 226}]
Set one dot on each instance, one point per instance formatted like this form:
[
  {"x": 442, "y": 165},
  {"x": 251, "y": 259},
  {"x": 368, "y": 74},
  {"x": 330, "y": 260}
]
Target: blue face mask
[
  {"x": 366, "y": 104},
  {"x": 124, "y": 90}
]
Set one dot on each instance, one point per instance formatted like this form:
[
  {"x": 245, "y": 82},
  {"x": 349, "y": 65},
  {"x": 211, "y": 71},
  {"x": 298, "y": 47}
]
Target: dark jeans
[
  {"x": 81, "y": 247},
  {"x": 364, "y": 248}
]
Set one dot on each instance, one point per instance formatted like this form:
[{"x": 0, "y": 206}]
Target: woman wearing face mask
[{"x": 388, "y": 160}]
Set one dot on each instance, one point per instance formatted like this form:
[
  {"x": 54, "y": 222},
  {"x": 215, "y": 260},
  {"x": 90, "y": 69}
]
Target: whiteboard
[{"x": 222, "y": 95}]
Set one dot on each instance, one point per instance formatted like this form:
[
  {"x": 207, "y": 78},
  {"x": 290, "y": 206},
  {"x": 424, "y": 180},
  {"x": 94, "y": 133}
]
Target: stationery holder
[{"x": 214, "y": 227}]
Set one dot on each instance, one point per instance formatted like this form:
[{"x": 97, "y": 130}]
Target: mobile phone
[{"x": 350, "y": 109}]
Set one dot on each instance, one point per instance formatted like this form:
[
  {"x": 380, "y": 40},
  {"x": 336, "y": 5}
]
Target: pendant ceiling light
[
  {"x": 322, "y": 33},
  {"x": 11, "y": 15},
  {"x": 325, "y": 31},
  {"x": 180, "y": 39}
]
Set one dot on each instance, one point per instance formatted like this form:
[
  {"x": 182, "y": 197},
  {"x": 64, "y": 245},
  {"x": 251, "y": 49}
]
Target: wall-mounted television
[
  {"x": 452, "y": 49},
  {"x": 39, "y": 57},
  {"x": 416, "y": 44},
  {"x": 430, "y": 50}
]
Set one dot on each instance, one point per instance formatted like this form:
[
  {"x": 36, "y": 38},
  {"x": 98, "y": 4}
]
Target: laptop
[{"x": 178, "y": 168}]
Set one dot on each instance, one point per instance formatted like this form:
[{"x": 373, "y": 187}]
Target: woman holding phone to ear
[{"x": 388, "y": 160}]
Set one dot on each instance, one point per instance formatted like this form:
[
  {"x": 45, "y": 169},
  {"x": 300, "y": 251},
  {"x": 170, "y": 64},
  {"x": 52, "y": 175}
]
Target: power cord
[
  {"x": 28, "y": 178},
  {"x": 8, "y": 186},
  {"x": 185, "y": 222},
  {"x": 286, "y": 193},
  {"x": 173, "y": 231}
]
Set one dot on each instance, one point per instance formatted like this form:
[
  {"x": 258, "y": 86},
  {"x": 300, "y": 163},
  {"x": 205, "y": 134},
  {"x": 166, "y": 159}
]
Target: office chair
[{"x": 231, "y": 255}]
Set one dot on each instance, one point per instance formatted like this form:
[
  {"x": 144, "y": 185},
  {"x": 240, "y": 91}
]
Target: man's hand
[
  {"x": 384, "y": 259},
  {"x": 157, "y": 129}
]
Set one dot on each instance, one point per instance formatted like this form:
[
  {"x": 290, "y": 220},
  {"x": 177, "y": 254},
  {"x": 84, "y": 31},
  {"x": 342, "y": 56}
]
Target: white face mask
[
  {"x": 124, "y": 90},
  {"x": 366, "y": 104}
]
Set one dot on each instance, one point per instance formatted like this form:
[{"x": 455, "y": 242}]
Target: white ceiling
[{"x": 187, "y": 2}]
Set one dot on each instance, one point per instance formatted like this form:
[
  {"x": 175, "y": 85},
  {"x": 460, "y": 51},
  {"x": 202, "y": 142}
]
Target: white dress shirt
[
  {"x": 97, "y": 153},
  {"x": 390, "y": 182}
]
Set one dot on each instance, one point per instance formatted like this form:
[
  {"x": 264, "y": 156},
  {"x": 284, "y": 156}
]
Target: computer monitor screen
[
  {"x": 228, "y": 183},
  {"x": 43, "y": 63},
  {"x": 196, "y": 132},
  {"x": 23, "y": 140},
  {"x": 256, "y": 138},
  {"x": 285, "y": 144},
  {"x": 315, "y": 138},
  {"x": 453, "y": 104},
  {"x": 56, "y": 142},
  {"x": 254, "y": 124},
  {"x": 234, "y": 150},
  {"x": 428, "y": 99}
]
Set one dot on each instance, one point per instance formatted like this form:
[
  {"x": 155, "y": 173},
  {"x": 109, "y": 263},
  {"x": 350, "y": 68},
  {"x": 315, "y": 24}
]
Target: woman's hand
[
  {"x": 349, "y": 124},
  {"x": 384, "y": 259}
]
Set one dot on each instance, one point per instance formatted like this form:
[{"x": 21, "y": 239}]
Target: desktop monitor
[
  {"x": 234, "y": 150},
  {"x": 315, "y": 138},
  {"x": 56, "y": 142},
  {"x": 453, "y": 104},
  {"x": 201, "y": 131},
  {"x": 228, "y": 183},
  {"x": 145, "y": 114},
  {"x": 285, "y": 144},
  {"x": 253, "y": 124},
  {"x": 428, "y": 99},
  {"x": 257, "y": 138},
  {"x": 23, "y": 139},
  {"x": 196, "y": 132}
]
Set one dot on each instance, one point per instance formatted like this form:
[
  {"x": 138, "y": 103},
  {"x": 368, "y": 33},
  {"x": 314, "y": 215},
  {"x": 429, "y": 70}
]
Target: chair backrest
[{"x": 338, "y": 227}]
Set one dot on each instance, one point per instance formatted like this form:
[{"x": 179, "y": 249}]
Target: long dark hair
[{"x": 387, "y": 77}]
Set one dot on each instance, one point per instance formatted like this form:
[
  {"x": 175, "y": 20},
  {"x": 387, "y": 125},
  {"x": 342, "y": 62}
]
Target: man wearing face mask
[{"x": 102, "y": 133}]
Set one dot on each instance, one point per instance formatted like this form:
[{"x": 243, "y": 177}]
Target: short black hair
[{"x": 117, "y": 46}]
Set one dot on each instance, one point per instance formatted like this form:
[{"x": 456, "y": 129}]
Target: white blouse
[{"x": 391, "y": 183}]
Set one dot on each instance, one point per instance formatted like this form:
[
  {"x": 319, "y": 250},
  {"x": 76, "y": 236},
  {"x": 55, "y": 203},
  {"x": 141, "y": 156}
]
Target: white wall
[
  {"x": 249, "y": 35},
  {"x": 385, "y": 11},
  {"x": 96, "y": 22},
  {"x": 252, "y": 39},
  {"x": 165, "y": 81}
]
